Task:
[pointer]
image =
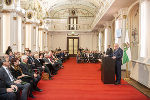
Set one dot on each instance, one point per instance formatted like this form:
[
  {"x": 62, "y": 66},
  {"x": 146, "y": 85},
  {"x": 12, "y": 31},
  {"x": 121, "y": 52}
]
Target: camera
[{"x": 15, "y": 90}]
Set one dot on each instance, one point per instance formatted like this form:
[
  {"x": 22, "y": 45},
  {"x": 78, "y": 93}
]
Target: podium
[{"x": 108, "y": 70}]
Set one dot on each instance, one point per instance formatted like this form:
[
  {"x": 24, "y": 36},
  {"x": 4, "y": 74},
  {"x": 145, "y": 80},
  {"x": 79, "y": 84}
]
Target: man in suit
[
  {"x": 49, "y": 65},
  {"x": 109, "y": 51},
  {"x": 117, "y": 55},
  {"x": 28, "y": 71},
  {"x": 7, "y": 76},
  {"x": 7, "y": 91},
  {"x": 30, "y": 59}
]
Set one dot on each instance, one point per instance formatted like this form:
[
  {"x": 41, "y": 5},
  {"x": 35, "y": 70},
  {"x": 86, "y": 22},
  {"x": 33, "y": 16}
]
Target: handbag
[{"x": 45, "y": 76}]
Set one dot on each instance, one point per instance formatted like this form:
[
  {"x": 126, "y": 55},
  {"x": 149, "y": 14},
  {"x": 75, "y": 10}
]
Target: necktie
[
  {"x": 38, "y": 60},
  {"x": 9, "y": 74}
]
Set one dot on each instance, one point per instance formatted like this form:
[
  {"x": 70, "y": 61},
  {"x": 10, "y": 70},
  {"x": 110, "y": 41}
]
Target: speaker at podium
[{"x": 108, "y": 70}]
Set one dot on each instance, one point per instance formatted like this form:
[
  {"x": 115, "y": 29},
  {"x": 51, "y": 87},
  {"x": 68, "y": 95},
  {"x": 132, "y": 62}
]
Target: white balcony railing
[{"x": 62, "y": 26}]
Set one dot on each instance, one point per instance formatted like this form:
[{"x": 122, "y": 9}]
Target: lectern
[{"x": 108, "y": 70}]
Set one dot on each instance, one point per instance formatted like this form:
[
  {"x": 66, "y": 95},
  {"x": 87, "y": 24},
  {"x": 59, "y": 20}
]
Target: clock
[
  {"x": 29, "y": 15},
  {"x": 8, "y": 2}
]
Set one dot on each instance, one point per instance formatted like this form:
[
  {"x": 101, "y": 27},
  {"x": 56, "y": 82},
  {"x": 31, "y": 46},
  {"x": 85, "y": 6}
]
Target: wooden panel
[
  {"x": 75, "y": 46},
  {"x": 70, "y": 46}
]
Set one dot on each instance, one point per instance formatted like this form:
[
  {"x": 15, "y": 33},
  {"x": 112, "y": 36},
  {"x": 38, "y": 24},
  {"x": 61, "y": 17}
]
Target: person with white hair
[
  {"x": 117, "y": 55},
  {"x": 27, "y": 70}
]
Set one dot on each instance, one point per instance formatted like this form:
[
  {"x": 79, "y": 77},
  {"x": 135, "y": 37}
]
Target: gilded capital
[{"x": 124, "y": 16}]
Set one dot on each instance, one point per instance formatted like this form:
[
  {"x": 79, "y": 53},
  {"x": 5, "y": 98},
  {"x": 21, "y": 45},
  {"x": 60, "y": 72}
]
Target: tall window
[{"x": 73, "y": 21}]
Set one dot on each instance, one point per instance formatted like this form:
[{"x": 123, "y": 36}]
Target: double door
[{"x": 72, "y": 45}]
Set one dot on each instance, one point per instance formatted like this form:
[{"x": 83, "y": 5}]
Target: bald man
[{"x": 117, "y": 55}]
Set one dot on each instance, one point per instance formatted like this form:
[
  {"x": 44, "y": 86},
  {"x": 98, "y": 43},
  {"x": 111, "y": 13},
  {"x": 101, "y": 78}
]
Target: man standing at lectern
[{"x": 117, "y": 55}]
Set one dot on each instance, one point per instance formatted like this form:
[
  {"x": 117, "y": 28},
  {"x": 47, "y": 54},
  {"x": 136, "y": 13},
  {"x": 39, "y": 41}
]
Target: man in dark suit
[
  {"x": 28, "y": 71},
  {"x": 48, "y": 64},
  {"x": 30, "y": 59},
  {"x": 6, "y": 91},
  {"x": 117, "y": 55},
  {"x": 7, "y": 76},
  {"x": 109, "y": 51}
]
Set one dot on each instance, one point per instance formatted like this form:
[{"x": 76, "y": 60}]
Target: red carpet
[{"x": 82, "y": 82}]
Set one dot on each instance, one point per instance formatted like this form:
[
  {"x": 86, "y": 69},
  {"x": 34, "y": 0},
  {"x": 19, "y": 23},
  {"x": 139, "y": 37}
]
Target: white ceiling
[
  {"x": 61, "y": 8},
  {"x": 84, "y": 8}
]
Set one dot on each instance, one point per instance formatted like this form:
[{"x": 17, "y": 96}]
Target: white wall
[
  {"x": 58, "y": 40},
  {"x": 86, "y": 40},
  {"x": 89, "y": 41}
]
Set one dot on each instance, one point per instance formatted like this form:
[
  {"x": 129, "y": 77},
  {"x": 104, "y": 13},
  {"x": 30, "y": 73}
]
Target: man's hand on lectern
[{"x": 113, "y": 57}]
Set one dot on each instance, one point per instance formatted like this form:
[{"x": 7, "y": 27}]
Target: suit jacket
[
  {"x": 30, "y": 60},
  {"x": 26, "y": 69},
  {"x": 5, "y": 76},
  {"x": 109, "y": 52},
  {"x": 46, "y": 60},
  {"x": 42, "y": 62},
  {"x": 1, "y": 63},
  {"x": 15, "y": 73},
  {"x": 95, "y": 55},
  {"x": 3, "y": 86},
  {"x": 118, "y": 54},
  {"x": 37, "y": 63}
]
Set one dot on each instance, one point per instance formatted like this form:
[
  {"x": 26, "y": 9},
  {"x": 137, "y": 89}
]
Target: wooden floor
[{"x": 137, "y": 85}]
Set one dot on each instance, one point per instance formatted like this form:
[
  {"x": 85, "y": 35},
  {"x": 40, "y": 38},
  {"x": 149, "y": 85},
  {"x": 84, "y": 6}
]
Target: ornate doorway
[{"x": 72, "y": 45}]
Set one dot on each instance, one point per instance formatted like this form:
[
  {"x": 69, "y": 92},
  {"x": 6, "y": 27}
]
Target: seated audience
[
  {"x": 8, "y": 77},
  {"x": 20, "y": 73},
  {"x": 27, "y": 70},
  {"x": 7, "y": 91}
]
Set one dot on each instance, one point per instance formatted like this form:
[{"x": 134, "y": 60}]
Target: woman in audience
[{"x": 40, "y": 64}]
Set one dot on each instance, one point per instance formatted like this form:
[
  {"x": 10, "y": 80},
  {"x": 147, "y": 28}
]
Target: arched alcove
[{"x": 133, "y": 26}]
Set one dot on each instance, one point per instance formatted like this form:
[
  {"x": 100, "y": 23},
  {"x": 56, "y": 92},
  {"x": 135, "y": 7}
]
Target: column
[
  {"x": 23, "y": 36},
  {"x": 20, "y": 33},
  {"x": 37, "y": 38},
  {"x": 46, "y": 41},
  {"x": 9, "y": 27},
  {"x": 124, "y": 31},
  {"x": 29, "y": 36},
  {"x": 34, "y": 39},
  {"x": 100, "y": 39},
  {"x": 102, "y": 44},
  {"x": 144, "y": 28},
  {"x": 5, "y": 31},
  {"x": 107, "y": 33},
  {"x": 41, "y": 39},
  {"x": 14, "y": 32}
]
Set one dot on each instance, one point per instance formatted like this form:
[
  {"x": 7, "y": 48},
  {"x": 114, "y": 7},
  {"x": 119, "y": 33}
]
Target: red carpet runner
[{"x": 82, "y": 82}]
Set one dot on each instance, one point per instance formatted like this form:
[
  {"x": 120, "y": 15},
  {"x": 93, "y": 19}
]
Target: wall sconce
[
  {"x": 14, "y": 44},
  {"x": 134, "y": 33}
]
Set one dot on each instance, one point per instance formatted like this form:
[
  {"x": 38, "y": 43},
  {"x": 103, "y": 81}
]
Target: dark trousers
[
  {"x": 118, "y": 71},
  {"x": 29, "y": 80},
  {"x": 8, "y": 96},
  {"x": 47, "y": 71},
  {"x": 36, "y": 80},
  {"x": 24, "y": 89}
]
